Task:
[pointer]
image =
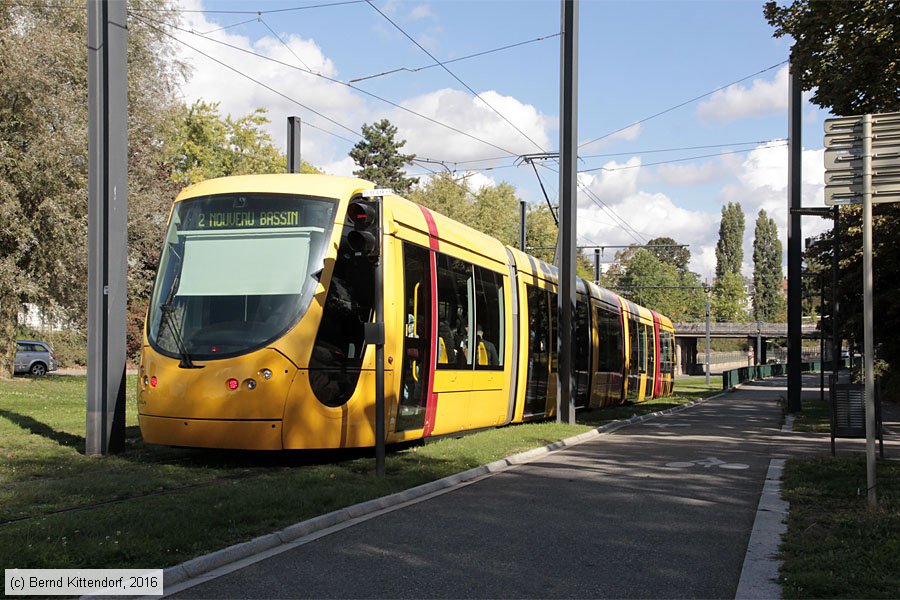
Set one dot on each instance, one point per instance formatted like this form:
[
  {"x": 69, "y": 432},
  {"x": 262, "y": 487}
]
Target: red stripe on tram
[{"x": 431, "y": 404}]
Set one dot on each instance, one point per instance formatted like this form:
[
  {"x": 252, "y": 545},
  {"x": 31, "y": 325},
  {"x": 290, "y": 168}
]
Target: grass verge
[
  {"x": 154, "y": 507},
  {"x": 835, "y": 547}
]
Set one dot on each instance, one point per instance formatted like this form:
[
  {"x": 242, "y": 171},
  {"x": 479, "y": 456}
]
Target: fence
[{"x": 734, "y": 377}]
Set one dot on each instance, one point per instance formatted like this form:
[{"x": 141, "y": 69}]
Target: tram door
[
  {"x": 416, "y": 368},
  {"x": 538, "y": 352}
]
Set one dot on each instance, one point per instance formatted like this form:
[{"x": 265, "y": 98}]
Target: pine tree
[
  {"x": 379, "y": 159},
  {"x": 768, "y": 302}
]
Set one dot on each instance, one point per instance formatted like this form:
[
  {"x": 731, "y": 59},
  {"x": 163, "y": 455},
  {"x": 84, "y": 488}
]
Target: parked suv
[{"x": 34, "y": 357}]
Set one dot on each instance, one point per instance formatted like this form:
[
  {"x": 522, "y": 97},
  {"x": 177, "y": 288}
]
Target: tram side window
[
  {"x": 649, "y": 349},
  {"x": 338, "y": 350},
  {"x": 489, "y": 325},
  {"x": 665, "y": 350},
  {"x": 455, "y": 300},
  {"x": 610, "y": 341},
  {"x": 637, "y": 364}
]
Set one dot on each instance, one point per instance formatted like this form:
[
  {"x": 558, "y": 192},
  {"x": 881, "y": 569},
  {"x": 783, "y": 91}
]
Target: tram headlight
[
  {"x": 250, "y": 383},
  {"x": 266, "y": 374}
]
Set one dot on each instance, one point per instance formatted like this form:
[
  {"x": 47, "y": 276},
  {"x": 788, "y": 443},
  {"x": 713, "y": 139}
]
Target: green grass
[
  {"x": 835, "y": 547},
  {"x": 815, "y": 415},
  {"x": 153, "y": 506}
]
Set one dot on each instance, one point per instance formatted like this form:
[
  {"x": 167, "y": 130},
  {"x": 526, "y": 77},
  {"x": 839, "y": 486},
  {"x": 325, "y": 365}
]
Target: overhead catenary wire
[
  {"x": 453, "y": 60},
  {"x": 622, "y": 223},
  {"x": 676, "y": 160},
  {"x": 509, "y": 153},
  {"x": 685, "y": 103},
  {"x": 246, "y": 12},
  {"x": 260, "y": 83},
  {"x": 452, "y": 74},
  {"x": 285, "y": 44},
  {"x": 680, "y": 149}
]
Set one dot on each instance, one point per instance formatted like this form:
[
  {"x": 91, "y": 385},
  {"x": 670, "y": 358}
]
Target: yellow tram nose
[{"x": 235, "y": 403}]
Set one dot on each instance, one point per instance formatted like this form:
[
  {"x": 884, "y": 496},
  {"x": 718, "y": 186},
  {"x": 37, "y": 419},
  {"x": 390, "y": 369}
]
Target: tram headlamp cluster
[{"x": 249, "y": 383}]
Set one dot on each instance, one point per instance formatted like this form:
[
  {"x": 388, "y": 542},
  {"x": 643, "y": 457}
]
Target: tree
[
  {"x": 640, "y": 275},
  {"x": 43, "y": 156},
  {"x": 203, "y": 145},
  {"x": 379, "y": 159},
  {"x": 674, "y": 255},
  {"x": 768, "y": 301},
  {"x": 445, "y": 195},
  {"x": 847, "y": 52},
  {"x": 729, "y": 300},
  {"x": 729, "y": 248}
]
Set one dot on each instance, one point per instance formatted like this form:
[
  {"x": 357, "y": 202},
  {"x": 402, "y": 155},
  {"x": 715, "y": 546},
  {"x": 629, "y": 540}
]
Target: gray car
[{"x": 34, "y": 357}]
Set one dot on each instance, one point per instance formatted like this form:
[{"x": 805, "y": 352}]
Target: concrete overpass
[
  {"x": 739, "y": 330},
  {"x": 687, "y": 334}
]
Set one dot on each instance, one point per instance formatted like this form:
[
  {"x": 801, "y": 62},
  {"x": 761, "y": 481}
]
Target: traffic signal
[{"x": 364, "y": 239}]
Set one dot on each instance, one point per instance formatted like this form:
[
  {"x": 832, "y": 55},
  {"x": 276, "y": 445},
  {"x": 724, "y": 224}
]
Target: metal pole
[
  {"x": 822, "y": 337},
  {"x": 758, "y": 357},
  {"x": 379, "y": 348},
  {"x": 794, "y": 244},
  {"x": 107, "y": 225},
  {"x": 869, "y": 352},
  {"x": 522, "y": 230},
  {"x": 597, "y": 265},
  {"x": 707, "y": 337},
  {"x": 835, "y": 330},
  {"x": 293, "y": 144},
  {"x": 568, "y": 196}
]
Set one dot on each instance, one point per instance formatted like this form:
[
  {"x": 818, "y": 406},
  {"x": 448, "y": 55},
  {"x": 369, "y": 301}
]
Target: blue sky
[{"x": 636, "y": 59}]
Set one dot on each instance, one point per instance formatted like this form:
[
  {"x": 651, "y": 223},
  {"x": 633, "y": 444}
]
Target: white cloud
[
  {"x": 238, "y": 95},
  {"x": 690, "y": 174},
  {"x": 477, "y": 181},
  {"x": 421, "y": 11},
  {"x": 613, "y": 184},
  {"x": 466, "y": 113},
  {"x": 649, "y": 214},
  {"x": 344, "y": 166},
  {"x": 760, "y": 98}
]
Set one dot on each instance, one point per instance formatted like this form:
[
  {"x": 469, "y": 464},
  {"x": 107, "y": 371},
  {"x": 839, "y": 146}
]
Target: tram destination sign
[{"x": 844, "y": 159}]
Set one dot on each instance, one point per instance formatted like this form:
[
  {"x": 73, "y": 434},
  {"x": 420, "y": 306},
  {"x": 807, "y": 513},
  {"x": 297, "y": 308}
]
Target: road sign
[{"x": 844, "y": 149}]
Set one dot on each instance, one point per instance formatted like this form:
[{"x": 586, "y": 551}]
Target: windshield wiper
[
  {"x": 186, "y": 362},
  {"x": 167, "y": 310}
]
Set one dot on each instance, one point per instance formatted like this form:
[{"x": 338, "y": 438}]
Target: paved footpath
[{"x": 659, "y": 509}]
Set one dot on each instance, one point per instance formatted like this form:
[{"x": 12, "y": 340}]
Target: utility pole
[
  {"x": 794, "y": 243},
  {"x": 568, "y": 204},
  {"x": 107, "y": 224},
  {"x": 522, "y": 225},
  {"x": 293, "y": 144}
]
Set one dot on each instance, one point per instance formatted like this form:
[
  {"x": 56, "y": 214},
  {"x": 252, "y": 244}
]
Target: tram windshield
[{"x": 236, "y": 272}]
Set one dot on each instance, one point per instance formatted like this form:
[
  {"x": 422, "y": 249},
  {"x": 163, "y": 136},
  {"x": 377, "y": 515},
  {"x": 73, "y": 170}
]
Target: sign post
[{"x": 862, "y": 165}]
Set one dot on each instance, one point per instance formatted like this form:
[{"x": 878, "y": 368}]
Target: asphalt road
[{"x": 660, "y": 509}]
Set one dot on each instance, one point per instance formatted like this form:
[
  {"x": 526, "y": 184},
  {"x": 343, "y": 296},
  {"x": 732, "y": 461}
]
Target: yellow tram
[{"x": 255, "y": 335}]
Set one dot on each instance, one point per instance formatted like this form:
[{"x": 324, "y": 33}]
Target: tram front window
[{"x": 237, "y": 271}]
